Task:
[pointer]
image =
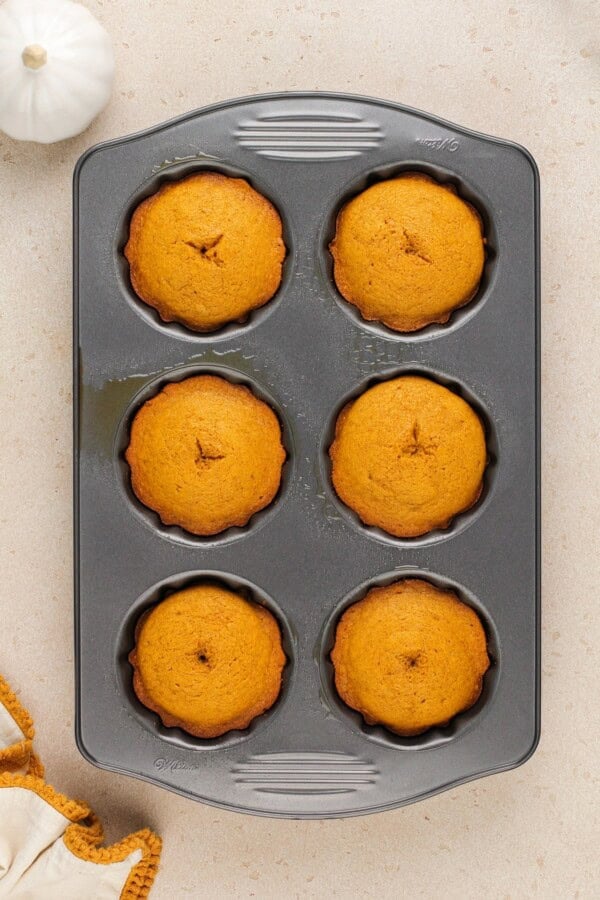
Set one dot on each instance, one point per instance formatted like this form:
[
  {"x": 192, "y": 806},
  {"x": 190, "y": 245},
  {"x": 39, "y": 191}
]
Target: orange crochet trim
[
  {"x": 85, "y": 833},
  {"x": 83, "y": 840},
  {"x": 35, "y": 766},
  {"x": 19, "y": 713},
  {"x": 18, "y": 755},
  {"x": 70, "y": 809},
  {"x": 141, "y": 878}
]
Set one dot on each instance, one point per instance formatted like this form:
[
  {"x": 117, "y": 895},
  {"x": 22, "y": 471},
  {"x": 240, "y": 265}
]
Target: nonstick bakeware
[{"x": 307, "y": 556}]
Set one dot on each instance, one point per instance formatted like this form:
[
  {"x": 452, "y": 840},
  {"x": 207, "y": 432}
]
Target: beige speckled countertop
[{"x": 528, "y": 71}]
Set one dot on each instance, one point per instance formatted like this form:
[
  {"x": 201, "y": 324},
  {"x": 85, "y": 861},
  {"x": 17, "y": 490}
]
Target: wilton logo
[
  {"x": 449, "y": 144},
  {"x": 171, "y": 765}
]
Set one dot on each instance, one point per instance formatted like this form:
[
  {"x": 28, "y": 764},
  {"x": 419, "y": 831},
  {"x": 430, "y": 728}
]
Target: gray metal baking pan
[{"x": 307, "y": 556}]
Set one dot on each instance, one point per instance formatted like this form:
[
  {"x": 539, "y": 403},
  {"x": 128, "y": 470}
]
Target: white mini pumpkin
[{"x": 56, "y": 69}]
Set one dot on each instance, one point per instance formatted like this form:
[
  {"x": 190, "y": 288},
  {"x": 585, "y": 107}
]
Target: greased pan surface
[{"x": 307, "y": 556}]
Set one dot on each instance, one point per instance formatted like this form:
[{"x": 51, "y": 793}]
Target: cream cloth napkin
[{"x": 50, "y": 845}]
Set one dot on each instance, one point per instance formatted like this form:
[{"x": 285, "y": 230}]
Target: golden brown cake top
[
  {"x": 408, "y": 456},
  {"x": 205, "y": 454},
  {"x": 208, "y": 660},
  {"x": 205, "y": 250},
  {"x": 408, "y": 251},
  {"x": 410, "y": 656}
]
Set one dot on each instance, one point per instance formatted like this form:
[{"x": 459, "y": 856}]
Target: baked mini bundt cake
[
  {"x": 408, "y": 456},
  {"x": 205, "y": 454},
  {"x": 205, "y": 251},
  {"x": 207, "y": 660},
  {"x": 409, "y": 656},
  {"x": 408, "y": 251}
]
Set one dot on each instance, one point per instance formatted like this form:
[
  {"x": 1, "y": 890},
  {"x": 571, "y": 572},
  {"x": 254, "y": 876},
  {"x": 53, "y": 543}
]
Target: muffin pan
[{"x": 306, "y": 556}]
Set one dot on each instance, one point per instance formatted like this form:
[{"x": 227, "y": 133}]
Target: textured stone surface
[{"x": 522, "y": 70}]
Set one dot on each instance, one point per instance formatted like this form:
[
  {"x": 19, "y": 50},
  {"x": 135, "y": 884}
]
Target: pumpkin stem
[{"x": 34, "y": 56}]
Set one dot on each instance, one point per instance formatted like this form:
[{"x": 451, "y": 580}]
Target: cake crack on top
[
  {"x": 203, "y": 658},
  {"x": 204, "y": 248},
  {"x": 411, "y": 248},
  {"x": 416, "y": 446},
  {"x": 204, "y": 457}
]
